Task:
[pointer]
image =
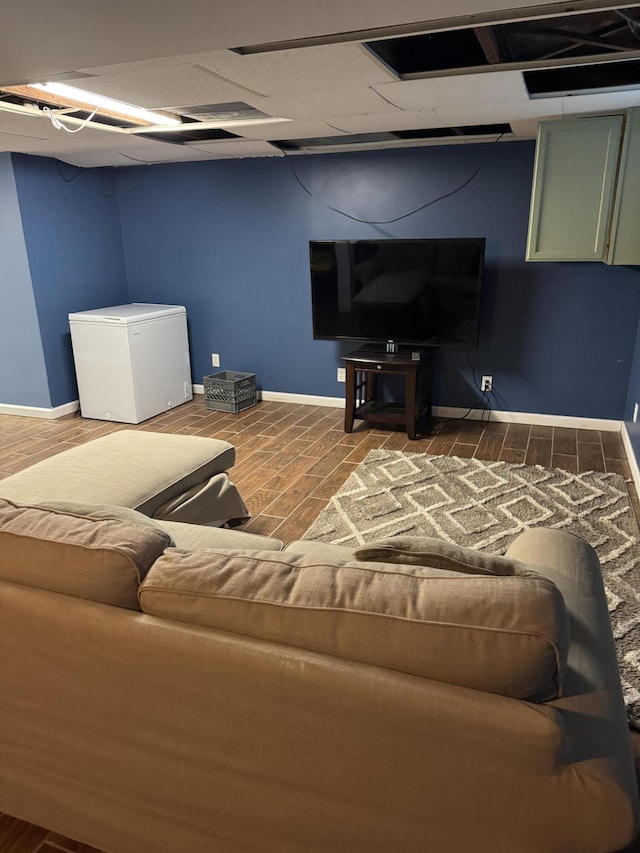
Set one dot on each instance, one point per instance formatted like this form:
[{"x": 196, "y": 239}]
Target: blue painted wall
[
  {"x": 23, "y": 376},
  {"x": 71, "y": 224},
  {"x": 229, "y": 240}
]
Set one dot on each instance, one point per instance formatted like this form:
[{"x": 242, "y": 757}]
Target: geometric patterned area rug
[{"x": 485, "y": 505}]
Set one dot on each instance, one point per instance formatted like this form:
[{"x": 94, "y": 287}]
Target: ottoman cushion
[{"x": 141, "y": 470}]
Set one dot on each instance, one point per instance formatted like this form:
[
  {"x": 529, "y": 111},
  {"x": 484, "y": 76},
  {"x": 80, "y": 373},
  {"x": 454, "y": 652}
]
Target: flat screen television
[{"x": 420, "y": 293}]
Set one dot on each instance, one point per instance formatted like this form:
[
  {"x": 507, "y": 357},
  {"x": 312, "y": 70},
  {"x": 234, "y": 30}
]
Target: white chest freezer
[{"x": 132, "y": 361}]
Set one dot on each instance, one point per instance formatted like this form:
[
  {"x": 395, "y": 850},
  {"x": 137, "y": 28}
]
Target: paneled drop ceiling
[{"x": 264, "y": 79}]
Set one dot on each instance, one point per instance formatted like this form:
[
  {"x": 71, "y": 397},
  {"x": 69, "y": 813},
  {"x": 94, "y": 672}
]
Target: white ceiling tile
[
  {"x": 286, "y": 130},
  {"x": 149, "y": 64},
  {"x": 357, "y": 101},
  {"x": 161, "y": 152},
  {"x": 525, "y": 129},
  {"x": 59, "y": 140},
  {"x": 451, "y": 116},
  {"x": 172, "y": 55},
  {"x": 237, "y": 148},
  {"x": 24, "y": 144},
  {"x": 601, "y": 102},
  {"x": 489, "y": 87},
  {"x": 46, "y": 38},
  {"x": 90, "y": 159},
  {"x": 498, "y": 113},
  {"x": 130, "y": 151},
  {"x": 399, "y": 120},
  {"x": 310, "y": 69},
  {"x": 158, "y": 88},
  {"x": 30, "y": 127}
]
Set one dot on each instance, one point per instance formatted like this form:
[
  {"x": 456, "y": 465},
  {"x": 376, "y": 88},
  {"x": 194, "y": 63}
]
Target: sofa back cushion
[
  {"x": 99, "y": 553},
  {"x": 505, "y": 634}
]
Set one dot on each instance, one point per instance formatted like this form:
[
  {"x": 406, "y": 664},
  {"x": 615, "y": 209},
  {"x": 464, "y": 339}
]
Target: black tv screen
[{"x": 412, "y": 292}]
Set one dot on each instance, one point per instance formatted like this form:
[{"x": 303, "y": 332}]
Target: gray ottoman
[{"x": 173, "y": 477}]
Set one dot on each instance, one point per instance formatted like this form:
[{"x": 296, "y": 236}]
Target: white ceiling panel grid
[
  {"x": 169, "y": 56},
  {"x": 48, "y": 38}
]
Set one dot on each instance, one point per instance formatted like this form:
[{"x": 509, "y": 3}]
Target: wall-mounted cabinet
[
  {"x": 585, "y": 201},
  {"x": 624, "y": 246}
]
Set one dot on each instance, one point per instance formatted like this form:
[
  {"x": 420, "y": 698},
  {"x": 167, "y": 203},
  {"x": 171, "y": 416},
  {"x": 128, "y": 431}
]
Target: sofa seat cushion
[
  {"x": 504, "y": 634},
  {"x": 98, "y": 553},
  {"x": 198, "y": 536},
  {"x": 180, "y": 477}
]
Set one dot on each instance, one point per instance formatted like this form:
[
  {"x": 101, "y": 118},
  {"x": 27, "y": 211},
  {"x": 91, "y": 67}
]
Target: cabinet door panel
[
  {"x": 573, "y": 185},
  {"x": 625, "y": 229}
]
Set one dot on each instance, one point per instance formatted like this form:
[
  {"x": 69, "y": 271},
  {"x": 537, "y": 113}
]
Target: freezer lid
[{"x": 135, "y": 312}]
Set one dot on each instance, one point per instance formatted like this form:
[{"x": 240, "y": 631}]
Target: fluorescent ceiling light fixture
[{"x": 94, "y": 101}]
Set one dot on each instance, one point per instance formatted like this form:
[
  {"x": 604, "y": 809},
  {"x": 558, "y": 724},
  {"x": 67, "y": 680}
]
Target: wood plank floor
[{"x": 290, "y": 460}]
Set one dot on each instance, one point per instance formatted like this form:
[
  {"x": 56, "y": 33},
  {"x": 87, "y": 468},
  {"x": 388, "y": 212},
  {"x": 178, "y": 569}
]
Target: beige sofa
[{"x": 229, "y": 695}]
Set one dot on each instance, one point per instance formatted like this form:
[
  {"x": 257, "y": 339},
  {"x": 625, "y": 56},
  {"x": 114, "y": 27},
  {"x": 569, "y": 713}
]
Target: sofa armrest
[
  {"x": 592, "y": 709},
  {"x": 573, "y": 566}
]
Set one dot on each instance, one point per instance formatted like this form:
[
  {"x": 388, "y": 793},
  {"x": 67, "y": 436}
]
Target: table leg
[
  {"x": 410, "y": 403},
  {"x": 350, "y": 397}
]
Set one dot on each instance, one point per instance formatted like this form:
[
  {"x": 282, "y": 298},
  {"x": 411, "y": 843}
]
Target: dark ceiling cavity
[
  {"x": 393, "y": 136},
  {"x": 232, "y": 111},
  {"x": 556, "y": 40},
  {"x": 600, "y": 77}
]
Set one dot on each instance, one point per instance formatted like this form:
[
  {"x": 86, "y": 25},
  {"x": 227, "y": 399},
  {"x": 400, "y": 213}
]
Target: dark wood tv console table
[{"x": 362, "y": 370}]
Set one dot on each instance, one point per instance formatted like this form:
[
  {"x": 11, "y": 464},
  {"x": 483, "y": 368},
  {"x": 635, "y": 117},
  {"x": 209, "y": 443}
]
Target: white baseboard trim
[
  {"x": 305, "y": 399},
  {"x": 338, "y": 403},
  {"x": 283, "y": 397},
  {"x": 454, "y": 412},
  {"x": 530, "y": 418},
  {"x": 37, "y": 412},
  {"x": 633, "y": 462}
]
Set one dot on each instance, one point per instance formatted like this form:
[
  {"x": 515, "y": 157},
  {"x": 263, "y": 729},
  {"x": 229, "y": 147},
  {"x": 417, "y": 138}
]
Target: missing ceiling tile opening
[
  {"x": 233, "y": 111},
  {"x": 395, "y": 138},
  {"x": 547, "y": 41},
  {"x": 583, "y": 79}
]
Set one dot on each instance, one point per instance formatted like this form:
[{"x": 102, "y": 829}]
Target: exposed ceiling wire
[
  {"x": 59, "y": 125},
  {"x": 457, "y": 189}
]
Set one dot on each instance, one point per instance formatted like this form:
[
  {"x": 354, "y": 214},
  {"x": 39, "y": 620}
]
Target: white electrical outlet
[
  {"x": 487, "y": 383},
  {"x": 342, "y": 374},
  {"x": 215, "y": 359},
  {"x": 635, "y": 413}
]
